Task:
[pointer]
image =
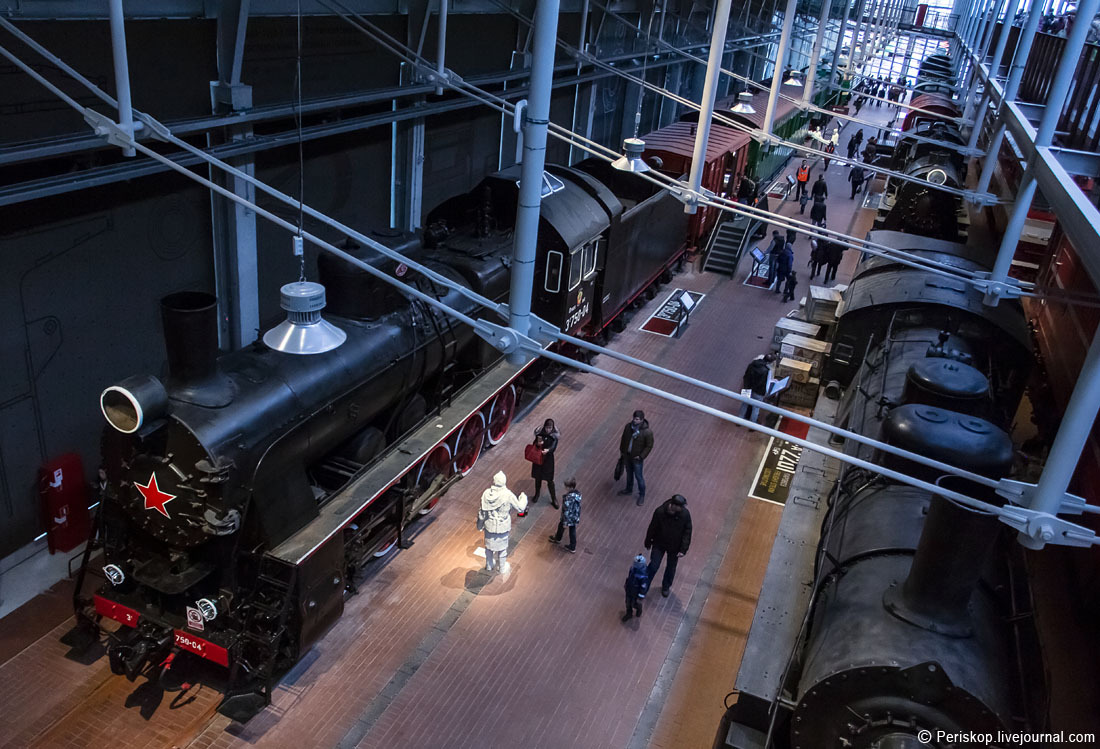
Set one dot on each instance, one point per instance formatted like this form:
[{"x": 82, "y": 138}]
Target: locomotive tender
[{"x": 246, "y": 490}]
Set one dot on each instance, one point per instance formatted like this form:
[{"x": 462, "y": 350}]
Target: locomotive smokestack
[
  {"x": 950, "y": 558},
  {"x": 190, "y": 320},
  {"x": 955, "y": 540}
]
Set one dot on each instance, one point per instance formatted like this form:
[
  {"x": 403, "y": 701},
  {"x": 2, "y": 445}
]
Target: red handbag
[{"x": 533, "y": 454}]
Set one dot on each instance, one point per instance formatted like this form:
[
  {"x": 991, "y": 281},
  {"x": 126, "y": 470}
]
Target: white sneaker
[{"x": 505, "y": 569}]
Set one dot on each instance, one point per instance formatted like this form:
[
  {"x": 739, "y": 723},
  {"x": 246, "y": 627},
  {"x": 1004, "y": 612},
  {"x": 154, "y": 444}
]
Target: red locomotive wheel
[
  {"x": 500, "y": 414},
  {"x": 387, "y": 548},
  {"x": 438, "y": 462},
  {"x": 471, "y": 437}
]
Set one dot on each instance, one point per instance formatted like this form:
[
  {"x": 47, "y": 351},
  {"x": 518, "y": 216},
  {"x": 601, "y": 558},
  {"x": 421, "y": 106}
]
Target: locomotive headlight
[
  {"x": 114, "y": 574},
  {"x": 207, "y": 608},
  {"x": 937, "y": 177}
]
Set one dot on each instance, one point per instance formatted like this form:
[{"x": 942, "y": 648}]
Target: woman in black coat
[{"x": 546, "y": 439}]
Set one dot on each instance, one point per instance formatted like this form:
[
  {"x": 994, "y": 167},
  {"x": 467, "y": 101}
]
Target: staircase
[{"x": 725, "y": 247}]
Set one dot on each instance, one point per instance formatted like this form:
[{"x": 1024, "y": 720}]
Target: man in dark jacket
[
  {"x": 834, "y": 253},
  {"x": 820, "y": 190},
  {"x": 855, "y": 176},
  {"x": 756, "y": 380},
  {"x": 634, "y": 447},
  {"x": 784, "y": 266},
  {"x": 774, "y": 249},
  {"x": 669, "y": 533},
  {"x": 746, "y": 191}
]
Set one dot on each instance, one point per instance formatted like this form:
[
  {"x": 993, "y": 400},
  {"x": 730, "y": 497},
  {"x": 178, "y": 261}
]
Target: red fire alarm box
[{"x": 64, "y": 502}]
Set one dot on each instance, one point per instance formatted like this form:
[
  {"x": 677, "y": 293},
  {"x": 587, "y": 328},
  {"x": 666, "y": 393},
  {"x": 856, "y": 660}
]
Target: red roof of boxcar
[
  {"x": 679, "y": 139},
  {"x": 783, "y": 107}
]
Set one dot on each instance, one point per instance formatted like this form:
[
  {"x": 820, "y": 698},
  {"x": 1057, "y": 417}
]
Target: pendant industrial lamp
[
  {"x": 744, "y": 103},
  {"x": 632, "y": 160},
  {"x": 304, "y": 331}
]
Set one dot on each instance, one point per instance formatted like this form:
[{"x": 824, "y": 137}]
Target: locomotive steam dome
[
  {"x": 965, "y": 441},
  {"x": 948, "y": 384}
]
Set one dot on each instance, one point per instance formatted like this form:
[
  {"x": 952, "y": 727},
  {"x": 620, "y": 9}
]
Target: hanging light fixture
[
  {"x": 792, "y": 79},
  {"x": 631, "y": 161},
  {"x": 304, "y": 331},
  {"x": 744, "y": 104}
]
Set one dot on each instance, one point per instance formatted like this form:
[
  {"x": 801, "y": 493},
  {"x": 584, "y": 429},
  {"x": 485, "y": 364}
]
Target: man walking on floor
[
  {"x": 855, "y": 176},
  {"x": 669, "y": 533},
  {"x": 634, "y": 447},
  {"x": 802, "y": 177}
]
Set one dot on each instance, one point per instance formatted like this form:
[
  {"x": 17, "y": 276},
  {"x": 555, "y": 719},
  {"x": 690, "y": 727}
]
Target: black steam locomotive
[
  {"x": 246, "y": 490},
  {"x": 889, "y": 615}
]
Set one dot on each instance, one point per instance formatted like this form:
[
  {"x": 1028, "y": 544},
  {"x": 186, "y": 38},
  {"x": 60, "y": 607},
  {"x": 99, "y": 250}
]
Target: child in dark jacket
[
  {"x": 792, "y": 283},
  {"x": 637, "y": 583}
]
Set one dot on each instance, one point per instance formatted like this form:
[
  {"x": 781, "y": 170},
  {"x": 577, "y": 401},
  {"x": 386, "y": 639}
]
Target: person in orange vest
[{"x": 802, "y": 176}]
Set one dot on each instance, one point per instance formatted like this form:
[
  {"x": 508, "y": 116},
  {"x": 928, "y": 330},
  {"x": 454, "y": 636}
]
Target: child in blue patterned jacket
[
  {"x": 637, "y": 583},
  {"x": 570, "y": 515}
]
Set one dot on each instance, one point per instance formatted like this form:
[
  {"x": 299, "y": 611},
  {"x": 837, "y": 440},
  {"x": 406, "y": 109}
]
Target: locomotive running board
[
  {"x": 394, "y": 462},
  {"x": 785, "y": 593}
]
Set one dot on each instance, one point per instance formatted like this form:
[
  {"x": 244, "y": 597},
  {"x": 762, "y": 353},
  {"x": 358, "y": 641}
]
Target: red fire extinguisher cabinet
[{"x": 64, "y": 502}]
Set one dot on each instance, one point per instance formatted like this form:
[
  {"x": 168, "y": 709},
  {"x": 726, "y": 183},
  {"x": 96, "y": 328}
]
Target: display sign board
[
  {"x": 776, "y": 471},
  {"x": 671, "y": 314}
]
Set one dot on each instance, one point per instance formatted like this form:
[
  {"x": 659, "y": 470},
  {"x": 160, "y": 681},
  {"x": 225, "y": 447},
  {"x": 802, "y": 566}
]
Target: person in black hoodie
[
  {"x": 669, "y": 533},
  {"x": 634, "y": 447}
]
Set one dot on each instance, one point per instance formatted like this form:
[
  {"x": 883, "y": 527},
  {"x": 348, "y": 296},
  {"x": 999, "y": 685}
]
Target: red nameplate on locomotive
[
  {"x": 116, "y": 611},
  {"x": 199, "y": 646}
]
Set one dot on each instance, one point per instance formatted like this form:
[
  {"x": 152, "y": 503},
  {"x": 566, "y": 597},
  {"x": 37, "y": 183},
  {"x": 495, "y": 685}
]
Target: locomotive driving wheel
[
  {"x": 437, "y": 463},
  {"x": 500, "y": 414},
  {"x": 468, "y": 443}
]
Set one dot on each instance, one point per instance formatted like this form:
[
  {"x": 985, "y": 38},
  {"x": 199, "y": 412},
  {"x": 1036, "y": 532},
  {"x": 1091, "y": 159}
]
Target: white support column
[
  {"x": 1023, "y": 49},
  {"x": 1056, "y": 99},
  {"x": 777, "y": 78},
  {"x": 1065, "y": 452},
  {"x": 122, "y": 72},
  {"x": 536, "y": 120},
  {"x": 815, "y": 54},
  {"x": 1002, "y": 39},
  {"x": 233, "y": 226},
  {"x": 714, "y": 67}
]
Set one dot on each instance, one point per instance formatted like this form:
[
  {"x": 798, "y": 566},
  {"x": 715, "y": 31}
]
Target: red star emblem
[{"x": 155, "y": 499}]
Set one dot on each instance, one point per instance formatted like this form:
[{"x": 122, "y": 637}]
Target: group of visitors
[{"x": 668, "y": 535}]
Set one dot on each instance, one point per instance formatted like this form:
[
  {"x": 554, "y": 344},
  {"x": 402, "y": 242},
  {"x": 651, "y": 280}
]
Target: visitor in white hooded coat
[{"x": 495, "y": 518}]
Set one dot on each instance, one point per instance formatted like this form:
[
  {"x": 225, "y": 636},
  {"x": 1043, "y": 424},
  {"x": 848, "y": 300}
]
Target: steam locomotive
[
  {"x": 246, "y": 490},
  {"x": 890, "y": 614}
]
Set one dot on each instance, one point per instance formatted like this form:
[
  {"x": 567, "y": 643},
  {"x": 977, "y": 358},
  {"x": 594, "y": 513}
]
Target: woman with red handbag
[{"x": 546, "y": 442}]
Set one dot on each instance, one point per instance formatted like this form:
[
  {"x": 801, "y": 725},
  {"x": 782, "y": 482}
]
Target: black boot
[{"x": 628, "y": 615}]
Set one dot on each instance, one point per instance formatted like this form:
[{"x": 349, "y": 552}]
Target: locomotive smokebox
[{"x": 190, "y": 321}]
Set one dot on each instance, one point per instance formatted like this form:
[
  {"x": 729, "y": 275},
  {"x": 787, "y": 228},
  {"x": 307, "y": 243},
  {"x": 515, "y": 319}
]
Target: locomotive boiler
[
  {"x": 887, "y": 614},
  {"x": 246, "y": 490}
]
